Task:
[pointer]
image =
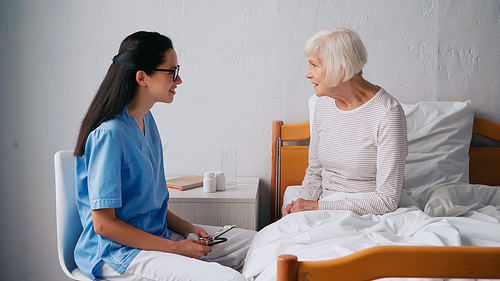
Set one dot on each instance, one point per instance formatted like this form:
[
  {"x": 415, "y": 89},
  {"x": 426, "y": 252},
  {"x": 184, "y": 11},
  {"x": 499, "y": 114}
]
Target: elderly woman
[{"x": 358, "y": 143}]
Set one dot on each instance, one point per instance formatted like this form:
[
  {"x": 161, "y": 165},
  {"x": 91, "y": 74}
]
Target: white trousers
[{"x": 223, "y": 263}]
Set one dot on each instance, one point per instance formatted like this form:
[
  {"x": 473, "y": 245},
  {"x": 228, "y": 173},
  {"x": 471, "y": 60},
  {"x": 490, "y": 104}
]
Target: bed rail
[{"x": 290, "y": 160}]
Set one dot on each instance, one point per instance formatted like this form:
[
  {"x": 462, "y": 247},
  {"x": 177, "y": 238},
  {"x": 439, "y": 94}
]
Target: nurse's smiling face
[{"x": 161, "y": 85}]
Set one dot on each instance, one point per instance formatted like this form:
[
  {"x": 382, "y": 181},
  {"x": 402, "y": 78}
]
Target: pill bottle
[
  {"x": 209, "y": 184},
  {"x": 220, "y": 179}
]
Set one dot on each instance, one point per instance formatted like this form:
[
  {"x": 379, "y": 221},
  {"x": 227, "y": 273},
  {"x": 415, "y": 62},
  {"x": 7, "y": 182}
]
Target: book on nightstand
[{"x": 185, "y": 183}]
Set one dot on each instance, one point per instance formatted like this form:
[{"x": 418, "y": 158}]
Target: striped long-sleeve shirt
[{"x": 361, "y": 150}]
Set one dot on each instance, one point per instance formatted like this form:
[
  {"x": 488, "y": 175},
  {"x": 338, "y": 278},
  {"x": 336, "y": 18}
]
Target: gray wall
[{"x": 242, "y": 67}]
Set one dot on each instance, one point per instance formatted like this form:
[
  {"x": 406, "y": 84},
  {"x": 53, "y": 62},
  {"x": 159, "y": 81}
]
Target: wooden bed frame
[{"x": 289, "y": 165}]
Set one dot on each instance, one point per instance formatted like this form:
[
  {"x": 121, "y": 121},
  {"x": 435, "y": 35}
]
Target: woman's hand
[
  {"x": 183, "y": 227},
  {"x": 300, "y": 205},
  {"x": 286, "y": 211},
  {"x": 198, "y": 231},
  {"x": 192, "y": 248},
  {"x": 108, "y": 225}
]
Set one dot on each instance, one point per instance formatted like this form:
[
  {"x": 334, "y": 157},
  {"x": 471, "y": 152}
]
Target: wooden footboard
[{"x": 397, "y": 262}]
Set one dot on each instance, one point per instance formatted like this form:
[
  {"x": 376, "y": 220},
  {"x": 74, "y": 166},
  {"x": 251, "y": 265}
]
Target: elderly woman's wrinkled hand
[
  {"x": 286, "y": 211},
  {"x": 300, "y": 205}
]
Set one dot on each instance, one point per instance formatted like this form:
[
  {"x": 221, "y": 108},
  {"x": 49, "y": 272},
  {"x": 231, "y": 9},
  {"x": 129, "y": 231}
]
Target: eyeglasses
[{"x": 174, "y": 71}]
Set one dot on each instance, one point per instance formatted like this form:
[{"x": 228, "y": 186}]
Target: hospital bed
[{"x": 446, "y": 226}]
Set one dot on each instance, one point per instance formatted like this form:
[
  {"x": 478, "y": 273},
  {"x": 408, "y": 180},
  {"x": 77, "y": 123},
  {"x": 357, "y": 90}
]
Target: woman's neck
[
  {"x": 353, "y": 93},
  {"x": 138, "y": 109}
]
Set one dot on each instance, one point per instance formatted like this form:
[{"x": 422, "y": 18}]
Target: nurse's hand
[
  {"x": 198, "y": 231},
  {"x": 192, "y": 248}
]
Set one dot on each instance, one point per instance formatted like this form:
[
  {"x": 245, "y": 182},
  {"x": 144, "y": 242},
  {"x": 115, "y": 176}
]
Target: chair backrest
[{"x": 68, "y": 223}]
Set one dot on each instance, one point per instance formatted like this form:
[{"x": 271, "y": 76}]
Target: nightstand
[{"x": 237, "y": 205}]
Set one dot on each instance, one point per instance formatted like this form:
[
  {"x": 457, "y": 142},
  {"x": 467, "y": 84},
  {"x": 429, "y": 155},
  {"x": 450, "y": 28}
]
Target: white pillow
[{"x": 439, "y": 135}]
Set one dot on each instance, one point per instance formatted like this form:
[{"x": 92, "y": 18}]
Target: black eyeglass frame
[{"x": 174, "y": 71}]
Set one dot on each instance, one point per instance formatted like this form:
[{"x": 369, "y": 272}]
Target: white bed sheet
[{"x": 456, "y": 214}]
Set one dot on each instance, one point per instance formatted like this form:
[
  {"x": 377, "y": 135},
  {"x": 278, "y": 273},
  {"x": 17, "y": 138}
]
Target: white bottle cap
[
  {"x": 220, "y": 173},
  {"x": 209, "y": 174}
]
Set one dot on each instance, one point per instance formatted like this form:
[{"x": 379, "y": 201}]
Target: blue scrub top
[{"x": 122, "y": 168}]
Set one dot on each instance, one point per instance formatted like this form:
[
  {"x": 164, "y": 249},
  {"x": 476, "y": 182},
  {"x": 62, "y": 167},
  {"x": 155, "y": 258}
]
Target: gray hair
[{"x": 342, "y": 53}]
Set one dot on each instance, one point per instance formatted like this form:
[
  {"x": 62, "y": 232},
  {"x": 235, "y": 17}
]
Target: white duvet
[{"x": 454, "y": 215}]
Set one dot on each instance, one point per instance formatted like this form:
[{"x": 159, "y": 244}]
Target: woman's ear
[{"x": 141, "y": 77}]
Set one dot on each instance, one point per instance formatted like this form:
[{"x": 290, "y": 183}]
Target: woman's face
[
  {"x": 316, "y": 73},
  {"x": 161, "y": 84}
]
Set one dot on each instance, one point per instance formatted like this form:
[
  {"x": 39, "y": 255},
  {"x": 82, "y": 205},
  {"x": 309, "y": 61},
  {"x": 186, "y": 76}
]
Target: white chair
[{"x": 68, "y": 223}]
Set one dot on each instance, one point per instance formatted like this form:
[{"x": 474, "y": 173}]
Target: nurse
[{"x": 122, "y": 197}]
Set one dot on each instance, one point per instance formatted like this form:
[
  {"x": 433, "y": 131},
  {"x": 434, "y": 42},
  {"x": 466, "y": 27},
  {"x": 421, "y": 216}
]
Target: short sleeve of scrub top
[{"x": 104, "y": 167}]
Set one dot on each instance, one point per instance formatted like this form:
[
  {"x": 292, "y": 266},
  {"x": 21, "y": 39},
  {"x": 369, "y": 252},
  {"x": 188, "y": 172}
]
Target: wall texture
[{"x": 242, "y": 67}]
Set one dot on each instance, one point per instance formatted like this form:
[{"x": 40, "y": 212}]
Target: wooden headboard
[{"x": 289, "y": 162}]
